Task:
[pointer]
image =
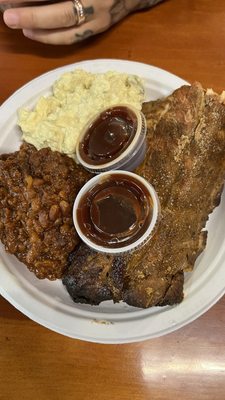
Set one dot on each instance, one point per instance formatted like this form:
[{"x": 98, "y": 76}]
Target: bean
[
  {"x": 29, "y": 181},
  {"x": 43, "y": 218},
  {"x": 35, "y": 204},
  {"x": 54, "y": 212},
  {"x": 64, "y": 229},
  {"x": 65, "y": 207},
  {"x": 38, "y": 182}
]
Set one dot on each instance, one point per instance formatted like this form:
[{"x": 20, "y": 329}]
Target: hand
[{"x": 55, "y": 23}]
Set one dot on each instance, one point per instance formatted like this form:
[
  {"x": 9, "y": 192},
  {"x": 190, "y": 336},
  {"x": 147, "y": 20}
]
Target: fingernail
[
  {"x": 28, "y": 33},
  {"x": 11, "y": 18}
]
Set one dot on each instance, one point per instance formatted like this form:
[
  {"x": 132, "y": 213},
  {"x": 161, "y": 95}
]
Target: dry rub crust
[
  {"x": 185, "y": 161},
  {"x": 37, "y": 191}
]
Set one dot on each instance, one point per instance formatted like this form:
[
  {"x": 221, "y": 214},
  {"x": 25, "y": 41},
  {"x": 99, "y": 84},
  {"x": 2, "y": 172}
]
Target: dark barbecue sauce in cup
[
  {"x": 114, "y": 139},
  {"x": 108, "y": 136},
  {"x": 116, "y": 212}
]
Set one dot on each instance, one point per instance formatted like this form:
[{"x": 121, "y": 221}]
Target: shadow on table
[{"x": 16, "y": 43}]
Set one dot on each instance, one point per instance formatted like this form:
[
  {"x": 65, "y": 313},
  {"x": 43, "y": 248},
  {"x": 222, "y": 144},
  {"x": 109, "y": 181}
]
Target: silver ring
[{"x": 79, "y": 12}]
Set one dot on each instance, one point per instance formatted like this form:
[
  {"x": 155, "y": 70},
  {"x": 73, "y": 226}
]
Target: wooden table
[{"x": 186, "y": 37}]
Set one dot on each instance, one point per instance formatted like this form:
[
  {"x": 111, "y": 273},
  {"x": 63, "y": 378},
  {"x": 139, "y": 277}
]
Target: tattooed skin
[
  {"x": 121, "y": 8},
  {"x": 147, "y": 3},
  {"x": 89, "y": 10},
  {"x": 118, "y": 10},
  {"x": 84, "y": 35}
]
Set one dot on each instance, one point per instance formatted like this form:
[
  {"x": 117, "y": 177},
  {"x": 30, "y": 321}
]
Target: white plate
[{"x": 49, "y": 304}]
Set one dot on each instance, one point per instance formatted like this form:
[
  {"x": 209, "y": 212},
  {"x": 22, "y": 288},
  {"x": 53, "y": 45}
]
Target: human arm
[{"x": 55, "y": 23}]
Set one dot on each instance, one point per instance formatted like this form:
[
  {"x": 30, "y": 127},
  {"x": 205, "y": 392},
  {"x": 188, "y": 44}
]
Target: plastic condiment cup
[
  {"x": 131, "y": 157},
  {"x": 151, "y": 197}
]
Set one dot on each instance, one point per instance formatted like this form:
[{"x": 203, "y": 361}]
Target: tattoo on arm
[{"x": 84, "y": 35}]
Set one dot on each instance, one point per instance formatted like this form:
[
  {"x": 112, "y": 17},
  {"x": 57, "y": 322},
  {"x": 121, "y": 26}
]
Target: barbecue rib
[{"x": 185, "y": 162}]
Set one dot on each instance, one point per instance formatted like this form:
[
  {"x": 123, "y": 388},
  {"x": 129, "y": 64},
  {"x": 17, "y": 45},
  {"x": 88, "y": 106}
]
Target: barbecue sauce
[
  {"x": 108, "y": 136},
  {"x": 115, "y": 212}
]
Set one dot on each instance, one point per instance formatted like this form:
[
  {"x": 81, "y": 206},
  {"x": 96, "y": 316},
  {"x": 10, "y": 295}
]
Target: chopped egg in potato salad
[{"x": 58, "y": 119}]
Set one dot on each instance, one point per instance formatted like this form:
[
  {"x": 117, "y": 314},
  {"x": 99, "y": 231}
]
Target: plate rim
[{"x": 173, "y": 327}]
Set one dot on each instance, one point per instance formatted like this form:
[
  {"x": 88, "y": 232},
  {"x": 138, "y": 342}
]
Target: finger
[
  {"x": 57, "y": 15},
  {"x": 69, "y": 35}
]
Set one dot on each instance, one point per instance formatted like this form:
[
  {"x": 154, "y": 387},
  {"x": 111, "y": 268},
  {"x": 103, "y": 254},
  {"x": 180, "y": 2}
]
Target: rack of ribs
[{"x": 185, "y": 162}]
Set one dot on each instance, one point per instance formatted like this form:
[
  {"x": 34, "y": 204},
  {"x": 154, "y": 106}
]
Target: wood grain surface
[{"x": 186, "y": 37}]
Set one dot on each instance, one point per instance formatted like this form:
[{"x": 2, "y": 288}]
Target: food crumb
[{"x": 101, "y": 322}]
